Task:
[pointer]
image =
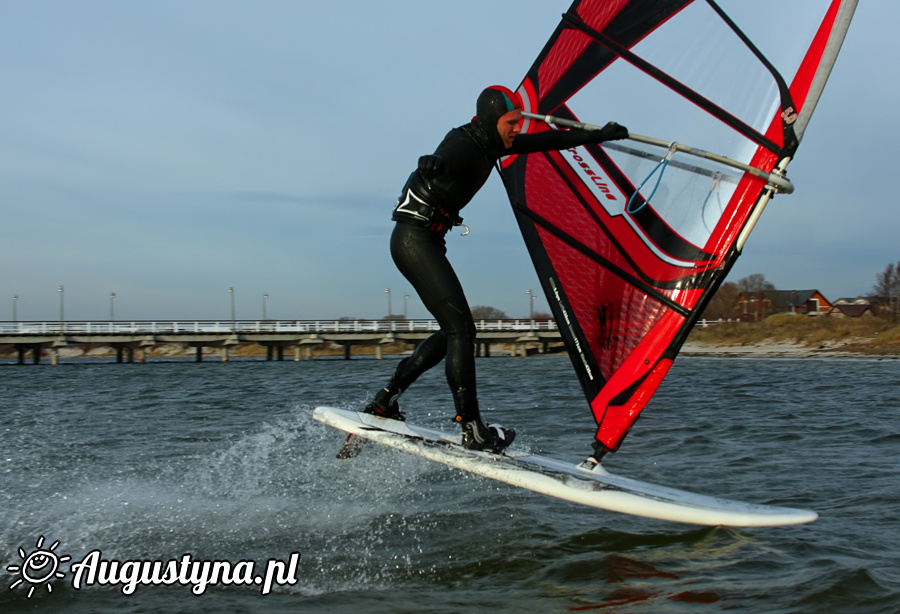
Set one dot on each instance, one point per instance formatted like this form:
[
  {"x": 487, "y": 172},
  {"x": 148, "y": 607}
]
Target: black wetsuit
[{"x": 428, "y": 207}]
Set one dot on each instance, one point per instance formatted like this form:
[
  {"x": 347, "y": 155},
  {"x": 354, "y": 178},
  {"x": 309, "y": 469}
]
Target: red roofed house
[{"x": 760, "y": 305}]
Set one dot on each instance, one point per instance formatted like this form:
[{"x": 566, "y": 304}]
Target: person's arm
[{"x": 552, "y": 140}]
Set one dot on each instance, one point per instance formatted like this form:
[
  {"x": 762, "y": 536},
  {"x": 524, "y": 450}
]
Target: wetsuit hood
[{"x": 494, "y": 102}]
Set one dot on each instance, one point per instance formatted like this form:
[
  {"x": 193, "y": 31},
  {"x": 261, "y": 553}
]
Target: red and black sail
[{"x": 630, "y": 242}]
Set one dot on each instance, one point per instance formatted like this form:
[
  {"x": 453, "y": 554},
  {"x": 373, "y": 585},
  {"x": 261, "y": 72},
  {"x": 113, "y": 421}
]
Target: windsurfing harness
[{"x": 628, "y": 270}]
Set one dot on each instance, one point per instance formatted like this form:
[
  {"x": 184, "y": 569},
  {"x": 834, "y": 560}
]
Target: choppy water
[{"x": 224, "y": 462}]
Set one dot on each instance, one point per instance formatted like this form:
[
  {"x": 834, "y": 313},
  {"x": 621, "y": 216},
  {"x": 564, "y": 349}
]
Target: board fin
[{"x": 351, "y": 448}]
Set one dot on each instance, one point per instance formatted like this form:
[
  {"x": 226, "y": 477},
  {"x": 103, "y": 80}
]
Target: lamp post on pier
[
  {"x": 15, "y": 308},
  {"x": 112, "y": 307},
  {"x": 390, "y": 312},
  {"x": 531, "y": 296},
  {"x": 62, "y": 317},
  {"x": 405, "y": 301},
  {"x": 265, "y": 300},
  {"x": 233, "y": 318}
]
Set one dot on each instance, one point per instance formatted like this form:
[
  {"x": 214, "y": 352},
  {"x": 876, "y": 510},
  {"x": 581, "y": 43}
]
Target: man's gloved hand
[
  {"x": 610, "y": 132},
  {"x": 430, "y": 165}
]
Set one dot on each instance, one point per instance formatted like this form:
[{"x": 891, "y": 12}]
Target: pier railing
[
  {"x": 128, "y": 337},
  {"x": 257, "y": 326}
]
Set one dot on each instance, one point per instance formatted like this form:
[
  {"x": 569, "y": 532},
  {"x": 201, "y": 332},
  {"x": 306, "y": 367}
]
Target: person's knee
[{"x": 462, "y": 332}]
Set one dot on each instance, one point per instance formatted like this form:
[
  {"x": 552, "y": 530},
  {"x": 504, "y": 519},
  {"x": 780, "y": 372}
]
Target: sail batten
[{"x": 628, "y": 270}]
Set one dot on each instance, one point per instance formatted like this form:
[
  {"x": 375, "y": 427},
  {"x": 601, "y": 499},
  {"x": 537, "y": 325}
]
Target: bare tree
[
  {"x": 484, "y": 312},
  {"x": 755, "y": 284},
  {"x": 882, "y": 286},
  {"x": 887, "y": 288},
  {"x": 723, "y": 304}
]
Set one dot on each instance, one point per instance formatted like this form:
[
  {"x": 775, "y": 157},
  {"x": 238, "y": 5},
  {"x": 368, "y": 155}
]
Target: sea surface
[{"x": 175, "y": 461}]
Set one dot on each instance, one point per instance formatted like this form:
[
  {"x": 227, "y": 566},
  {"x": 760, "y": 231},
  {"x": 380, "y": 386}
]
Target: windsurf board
[{"x": 595, "y": 487}]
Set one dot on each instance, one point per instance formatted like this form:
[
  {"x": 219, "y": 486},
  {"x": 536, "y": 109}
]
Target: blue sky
[{"x": 167, "y": 151}]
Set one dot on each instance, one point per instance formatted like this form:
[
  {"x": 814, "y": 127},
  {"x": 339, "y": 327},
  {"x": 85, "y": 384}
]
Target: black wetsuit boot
[
  {"x": 385, "y": 403},
  {"x": 476, "y": 435}
]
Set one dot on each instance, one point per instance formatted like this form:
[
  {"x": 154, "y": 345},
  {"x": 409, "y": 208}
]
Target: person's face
[{"x": 509, "y": 125}]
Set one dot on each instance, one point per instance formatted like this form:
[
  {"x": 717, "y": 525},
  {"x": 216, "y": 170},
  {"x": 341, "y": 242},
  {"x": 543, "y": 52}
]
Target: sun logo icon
[{"x": 39, "y": 567}]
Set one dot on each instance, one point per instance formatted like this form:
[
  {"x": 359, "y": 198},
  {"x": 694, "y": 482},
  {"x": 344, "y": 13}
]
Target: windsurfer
[{"x": 429, "y": 205}]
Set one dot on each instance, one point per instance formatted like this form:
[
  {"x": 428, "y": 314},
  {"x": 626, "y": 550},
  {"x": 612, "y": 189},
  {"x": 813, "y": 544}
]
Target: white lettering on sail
[{"x": 607, "y": 193}]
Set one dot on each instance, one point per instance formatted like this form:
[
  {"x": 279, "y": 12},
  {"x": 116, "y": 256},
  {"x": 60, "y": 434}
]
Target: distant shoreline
[
  {"x": 784, "y": 350},
  {"x": 798, "y": 337}
]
